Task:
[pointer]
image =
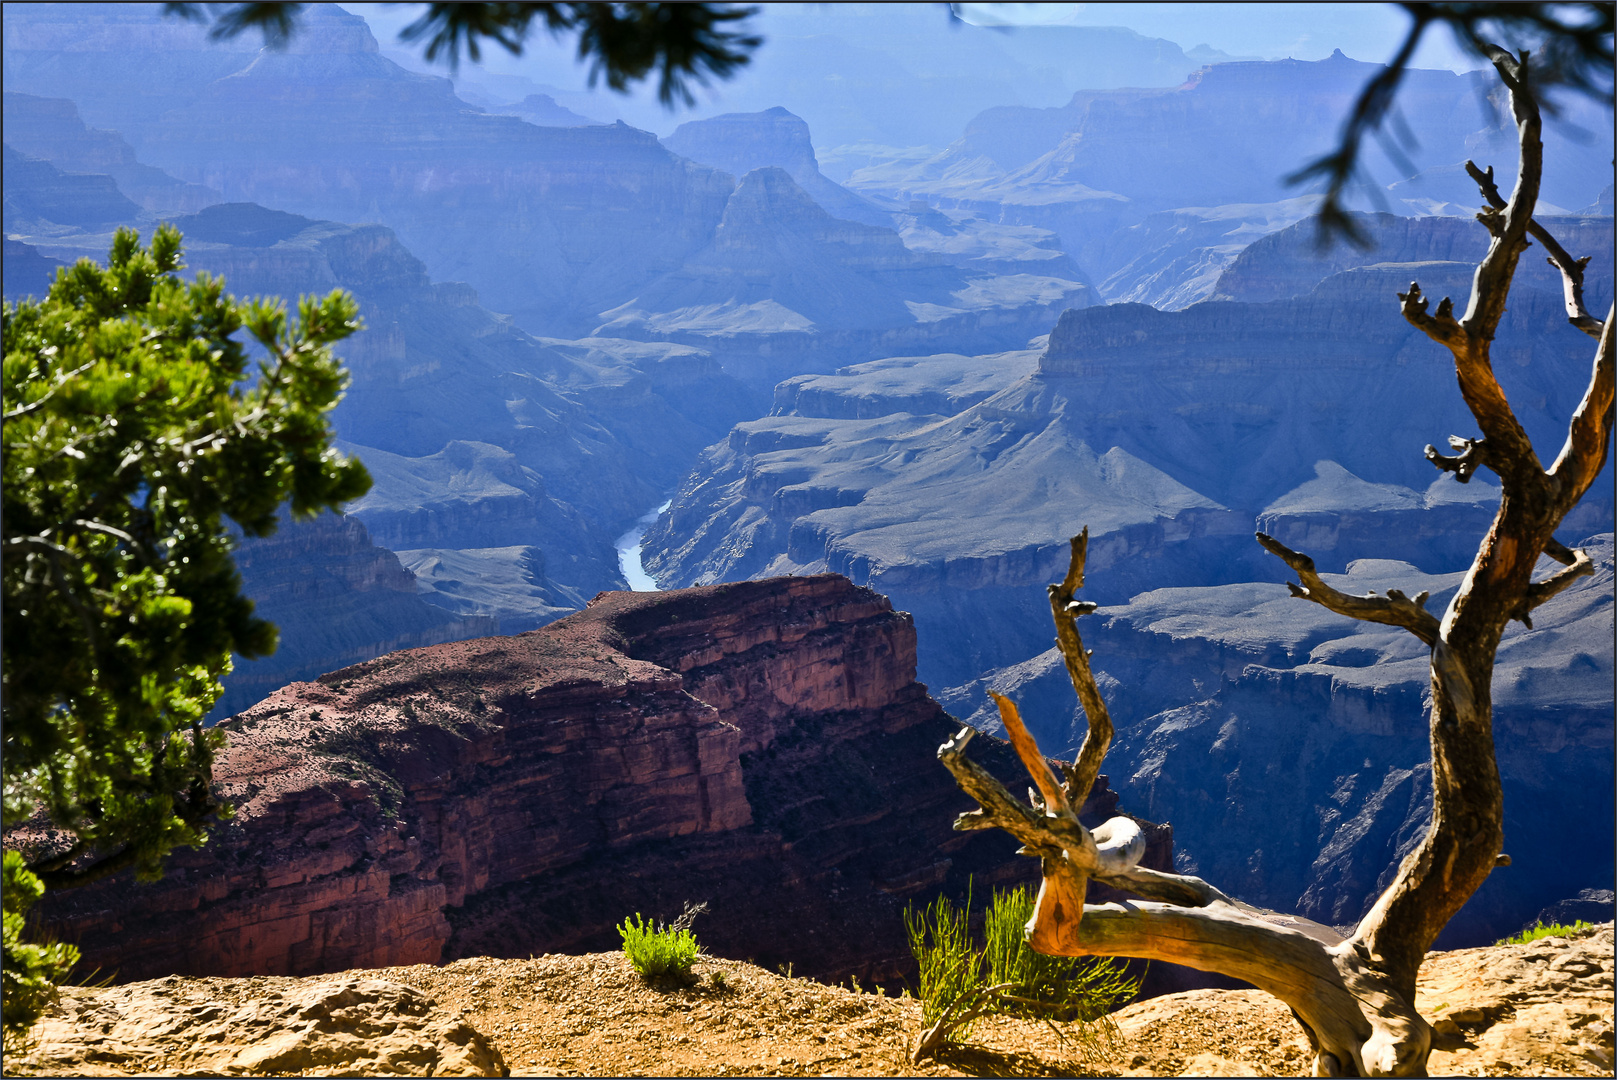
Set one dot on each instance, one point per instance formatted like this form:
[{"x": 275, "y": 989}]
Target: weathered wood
[
  {"x": 1394, "y": 609},
  {"x": 1065, "y": 608},
  {"x": 1571, "y": 269}
]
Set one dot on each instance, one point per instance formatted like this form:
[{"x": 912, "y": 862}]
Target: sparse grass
[
  {"x": 656, "y": 949},
  {"x": 1539, "y": 930},
  {"x": 960, "y": 983}
]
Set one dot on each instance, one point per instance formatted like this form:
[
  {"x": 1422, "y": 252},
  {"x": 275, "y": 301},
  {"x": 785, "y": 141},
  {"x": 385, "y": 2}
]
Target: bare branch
[
  {"x": 1055, "y": 799},
  {"x": 1498, "y": 266},
  {"x": 1002, "y": 810},
  {"x": 1540, "y": 591},
  {"x": 1181, "y": 890},
  {"x": 1110, "y": 854},
  {"x": 1468, "y": 338},
  {"x": 1394, "y": 609},
  {"x": 1442, "y": 328},
  {"x": 1473, "y": 453},
  {"x": 1589, "y": 435},
  {"x": 1064, "y": 610},
  {"x": 1571, "y": 269},
  {"x": 1560, "y": 552},
  {"x": 1358, "y": 1018}
]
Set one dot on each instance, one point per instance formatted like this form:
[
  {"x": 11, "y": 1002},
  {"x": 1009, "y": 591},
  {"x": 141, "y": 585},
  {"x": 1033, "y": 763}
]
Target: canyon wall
[
  {"x": 760, "y": 746},
  {"x": 953, "y": 483}
]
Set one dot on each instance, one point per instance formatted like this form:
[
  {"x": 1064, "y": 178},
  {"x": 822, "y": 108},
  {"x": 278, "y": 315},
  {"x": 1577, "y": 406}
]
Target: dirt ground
[{"x": 1543, "y": 1009}]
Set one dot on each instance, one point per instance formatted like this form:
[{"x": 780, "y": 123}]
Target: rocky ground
[{"x": 1541, "y": 1009}]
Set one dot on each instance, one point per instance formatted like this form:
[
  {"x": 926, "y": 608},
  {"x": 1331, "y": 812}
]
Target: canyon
[
  {"x": 920, "y": 366},
  {"x": 952, "y": 484}
]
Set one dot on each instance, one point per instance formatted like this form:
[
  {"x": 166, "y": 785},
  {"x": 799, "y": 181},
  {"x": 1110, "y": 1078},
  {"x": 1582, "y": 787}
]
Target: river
[{"x": 628, "y": 548}]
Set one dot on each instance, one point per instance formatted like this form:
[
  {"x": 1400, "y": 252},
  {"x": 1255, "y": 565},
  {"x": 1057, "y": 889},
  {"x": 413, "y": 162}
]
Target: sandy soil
[{"x": 1542, "y": 1009}]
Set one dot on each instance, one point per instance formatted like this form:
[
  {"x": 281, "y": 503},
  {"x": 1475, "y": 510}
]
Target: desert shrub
[
  {"x": 960, "y": 982},
  {"x": 1539, "y": 930},
  {"x": 950, "y": 967},
  {"x": 658, "y": 950},
  {"x": 1063, "y": 987}
]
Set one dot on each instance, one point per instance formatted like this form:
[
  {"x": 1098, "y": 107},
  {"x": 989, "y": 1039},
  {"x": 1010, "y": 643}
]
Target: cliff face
[
  {"x": 568, "y": 220},
  {"x": 1289, "y": 262},
  {"x": 37, "y": 190},
  {"x": 762, "y": 746},
  {"x": 50, "y": 129},
  {"x": 962, "y": 518},
  {"x": 738, "y": 143}
]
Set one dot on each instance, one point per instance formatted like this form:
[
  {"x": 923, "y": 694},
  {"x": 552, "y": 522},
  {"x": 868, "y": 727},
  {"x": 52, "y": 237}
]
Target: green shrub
[
  {"x": 950, "y": 968},
  {"x": 1064, "y": 987},
  {"x": 30, "y": 972},
  {"x": 658, "y": 950},
  {"x": 960, "y": 982},
  {"x": 1539, "y": 930}
]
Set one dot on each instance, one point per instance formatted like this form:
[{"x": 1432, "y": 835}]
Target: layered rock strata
[{"x": 761, "y": 746}]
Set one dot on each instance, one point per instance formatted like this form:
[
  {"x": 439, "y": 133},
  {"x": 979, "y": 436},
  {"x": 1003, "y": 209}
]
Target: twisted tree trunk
[{"x": 1355, "y": 996}]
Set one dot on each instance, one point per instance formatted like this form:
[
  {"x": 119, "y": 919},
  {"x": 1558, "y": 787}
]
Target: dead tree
[{"x": 1355, "y": 996}]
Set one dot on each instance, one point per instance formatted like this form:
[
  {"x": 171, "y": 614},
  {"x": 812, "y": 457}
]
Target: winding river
[{"x": 628, "y": 548}]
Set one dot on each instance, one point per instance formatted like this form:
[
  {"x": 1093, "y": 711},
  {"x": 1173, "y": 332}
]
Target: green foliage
[
  {"x": 960, "y": 982},
  {"x": 951, "y": 968},
  {"x": 1539, "y": 930},
  {"x": 132, "y": 429},
  {"x": 1064, "y": 987},
  {"x": 30, "y": 972},
  {"x": 658, "y": 950}
]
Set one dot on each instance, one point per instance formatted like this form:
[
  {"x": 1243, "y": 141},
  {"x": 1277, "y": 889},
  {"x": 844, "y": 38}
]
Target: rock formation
[
  {"x": 36, "y": 190},
  {"x": 330, "y": 129},
  {"x": 1170, "y": 434},
  {"x": 50, "y": 129},
  {"x": 542, "y": 110},
  {"x": 965, "y": 517},
  {"x": 575, "y": 226},
  {"x": 1109, "y": 158},
  {"x": 574, "y": 439},
  {"x": 1175, "y": 258},
  {"x": 786, "y": 288},
  {"x": 27, "y": 272},
  {"x": 761, "y": 746},
  {"x": 1289, "y": 262},
  {"x": 739, "y": 143},
  {"x": 259, "y": 1027}
]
